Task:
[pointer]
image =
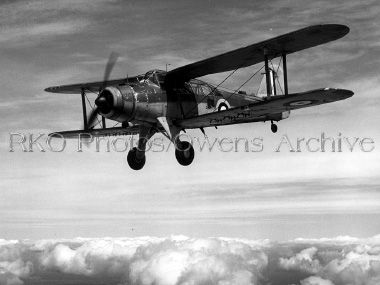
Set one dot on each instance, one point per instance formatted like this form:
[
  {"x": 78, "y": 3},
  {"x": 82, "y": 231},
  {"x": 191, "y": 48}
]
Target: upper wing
[
  {"x": 266, "y": 110},
  {"x": 118, "y": 131},
  {"x": 90, "y": 86},
  {"x": 253, "y": 54}
]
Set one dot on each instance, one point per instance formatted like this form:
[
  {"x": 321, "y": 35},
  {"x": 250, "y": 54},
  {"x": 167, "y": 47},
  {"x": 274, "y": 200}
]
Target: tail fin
[{"x": 276, "y": 82}]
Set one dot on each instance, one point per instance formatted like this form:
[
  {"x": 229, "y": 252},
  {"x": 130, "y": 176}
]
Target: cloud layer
[{"x": 184, "y": 260}]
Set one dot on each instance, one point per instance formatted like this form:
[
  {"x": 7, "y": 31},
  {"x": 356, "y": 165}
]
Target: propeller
[{"x": 101, "y": 102}]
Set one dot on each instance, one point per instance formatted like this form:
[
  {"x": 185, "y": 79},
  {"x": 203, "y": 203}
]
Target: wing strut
[
  {"x": 270, "y": 76},
  {"x": 83, "y": 94},
  {"x": 285, "y": 69},
  {"x": 267, "y": 73}
]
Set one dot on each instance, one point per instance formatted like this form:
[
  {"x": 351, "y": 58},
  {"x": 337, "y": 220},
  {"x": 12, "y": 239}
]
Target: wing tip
[
  {"x": 61, "y": 90},
  {"x": 346, "y": 93},
  {"x": 340, "y": 93},
  {"x": 341, "y": 29},
  {"x": 337, "y": 30},
  {"x": 52, "y": 89}
]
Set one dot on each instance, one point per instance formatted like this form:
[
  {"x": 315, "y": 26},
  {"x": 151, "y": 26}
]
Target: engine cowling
[
  {"x": 136, "y": 104},
  {"x": 117, "y": 103}
]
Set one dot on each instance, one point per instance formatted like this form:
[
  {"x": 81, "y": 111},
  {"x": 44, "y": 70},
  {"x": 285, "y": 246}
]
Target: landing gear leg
[
  {"x": 273, "y": 127},
  {"x": 184, "y": 151},
  {"x": 136, "y": 156}
]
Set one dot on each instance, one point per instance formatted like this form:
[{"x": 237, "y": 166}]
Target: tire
[
  {"x": 184, "y": 153},
  {"x": 273, "y": 128},
  {"x": 133, "y": 162}
]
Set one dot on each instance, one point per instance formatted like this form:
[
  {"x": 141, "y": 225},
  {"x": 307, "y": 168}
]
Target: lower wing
[
  {"x": 269, "y": 109},
  {"x": 118, "y": 131}
]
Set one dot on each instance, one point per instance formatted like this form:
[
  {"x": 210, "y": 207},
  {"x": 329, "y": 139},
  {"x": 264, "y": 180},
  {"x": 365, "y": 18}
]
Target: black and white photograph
[{"x": 193, "y": 142}]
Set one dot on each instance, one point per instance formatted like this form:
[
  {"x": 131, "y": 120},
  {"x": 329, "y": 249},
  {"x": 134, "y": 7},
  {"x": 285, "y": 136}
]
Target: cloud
[
  {"x": 32, "y": 34},
  {"x": 27, "y": 23},
  {"x": 13, "y": 264},
  {"x": 146, "y": 260},
  {"x": 184, "y": 260},
  {"x": 315, "y": 280},
  {"x": 303, "y": 260},
  {"x": 358, "y": 266},
  {"x": 339, "y": 261}
]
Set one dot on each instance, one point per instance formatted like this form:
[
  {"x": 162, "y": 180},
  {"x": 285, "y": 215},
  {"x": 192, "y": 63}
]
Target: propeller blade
[
  {"x": 92, "y": 118},
  {"x": 101, "y": 102},
  {"x": 109, "y": 66}
]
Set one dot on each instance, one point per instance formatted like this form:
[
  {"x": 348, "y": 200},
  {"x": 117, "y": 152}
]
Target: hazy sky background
[{"x": 250, "y": 195}]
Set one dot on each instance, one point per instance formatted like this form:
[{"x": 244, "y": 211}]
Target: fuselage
[{"x": 146, "y": 99}]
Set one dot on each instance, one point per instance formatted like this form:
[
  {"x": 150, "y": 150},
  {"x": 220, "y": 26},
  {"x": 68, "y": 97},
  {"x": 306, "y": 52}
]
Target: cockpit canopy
[
  {"x": 156, "y": 76},
  {"x": 201, "y": 88},
  {"x": 197, "y": 86}
]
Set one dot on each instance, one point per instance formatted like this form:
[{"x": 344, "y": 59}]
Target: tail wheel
[
  {"x": 273, "y": 128},
  {"x": 134, "y": 162},
  {"x": 184, "y": 153},
  {"x": 222, "y": 107}
]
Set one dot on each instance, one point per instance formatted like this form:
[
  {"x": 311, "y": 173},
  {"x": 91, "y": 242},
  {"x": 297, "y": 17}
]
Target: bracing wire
[
  {"x": 213, "y": 90},
  {"x": 89, "y": 103},
  {"x": 279, "y": 84},
  {"x": 279, "y": 64},
  {"x": 278, "y": 67},
  {"x": 245, "y": 82},
  {"x": 258, "y": 88}
]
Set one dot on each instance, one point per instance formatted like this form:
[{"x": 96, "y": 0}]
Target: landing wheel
[
  {"x": 273, "y": 128},
  {"x": 184, "y": 153},
  {"x": 134, "y": 162}
]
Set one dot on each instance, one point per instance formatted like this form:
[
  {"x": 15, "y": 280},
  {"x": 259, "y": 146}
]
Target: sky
[{"x": 252, "y": 195}]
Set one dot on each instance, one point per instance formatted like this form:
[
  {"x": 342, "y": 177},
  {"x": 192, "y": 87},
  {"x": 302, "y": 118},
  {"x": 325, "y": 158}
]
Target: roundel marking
[
  {"x": 223, "y": 107},
  {"x": 299, "y": 103}
]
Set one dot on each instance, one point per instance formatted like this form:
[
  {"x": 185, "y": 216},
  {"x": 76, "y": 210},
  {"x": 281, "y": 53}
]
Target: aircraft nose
[
  {"x": 101, "y": 101},
  {"x": 116, "y": 103},
  {"x": 104, "y": 101}
]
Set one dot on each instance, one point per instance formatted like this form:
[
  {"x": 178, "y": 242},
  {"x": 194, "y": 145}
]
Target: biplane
[{"x": 169, "y": 102}]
